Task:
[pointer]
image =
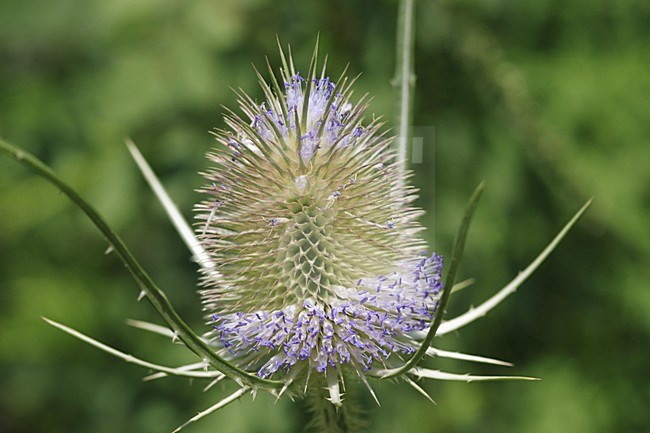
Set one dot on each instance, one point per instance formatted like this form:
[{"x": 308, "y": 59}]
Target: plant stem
[
  {"x": 328, "y": 418},
  {"x": 404, "y": 81}
]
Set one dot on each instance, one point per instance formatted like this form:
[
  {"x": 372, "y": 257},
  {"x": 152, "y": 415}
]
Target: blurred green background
[{"x": 548, "y": 101}]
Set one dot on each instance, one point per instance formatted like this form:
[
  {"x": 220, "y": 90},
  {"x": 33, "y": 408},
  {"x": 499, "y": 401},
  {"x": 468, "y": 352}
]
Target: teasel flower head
[{"x": 318, "y": 263}]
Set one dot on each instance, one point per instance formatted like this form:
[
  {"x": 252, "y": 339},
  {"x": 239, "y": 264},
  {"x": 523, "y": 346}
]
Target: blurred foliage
[{"x": 547, "y": 101}]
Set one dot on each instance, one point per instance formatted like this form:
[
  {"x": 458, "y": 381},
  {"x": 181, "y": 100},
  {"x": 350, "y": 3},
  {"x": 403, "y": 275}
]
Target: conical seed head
[{"x": 312, "y": 233}]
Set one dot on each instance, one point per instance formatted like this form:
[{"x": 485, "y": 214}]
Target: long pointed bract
[
  {"x": 151, "y": 327},
  {"x": 419, "y": 389},
  {"x": 180, "y": 223},
  {"x": 441, "y": 375},
  {"x": 189, "y": 367},
  {"x": 431, "y": 351},
  {"x": 226, "y": 401},
  {"x": 510, "y": 288},
  {"x": 130, "y": 358}
]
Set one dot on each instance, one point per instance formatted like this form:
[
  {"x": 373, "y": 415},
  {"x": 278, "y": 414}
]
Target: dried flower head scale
[{"x": 311, "y": 232}]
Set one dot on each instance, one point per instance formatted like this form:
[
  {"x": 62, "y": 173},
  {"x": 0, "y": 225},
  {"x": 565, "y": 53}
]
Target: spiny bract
[{"x": 317, "y": 260}]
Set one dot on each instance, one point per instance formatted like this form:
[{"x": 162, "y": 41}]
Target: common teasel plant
[{"x": 314, "y": 276}]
